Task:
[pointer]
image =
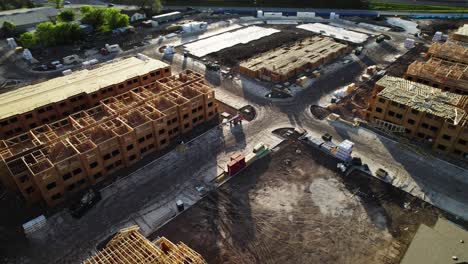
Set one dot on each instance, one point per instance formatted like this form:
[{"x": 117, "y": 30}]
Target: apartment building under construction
[
  {"x": 450, "y": 51},
  {"x": 461, "y": 34},
  {"x": 129, "y": 246},
  {"x": 281, "y": 64},
  {"x": 422, "y": 113},
  {"x": 51, "y": 161},
  {"x": 442, "y": 74},
  {"x": 31, "y": 106}
]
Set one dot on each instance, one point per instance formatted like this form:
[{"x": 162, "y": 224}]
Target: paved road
[{"x": 320, "y": 11}]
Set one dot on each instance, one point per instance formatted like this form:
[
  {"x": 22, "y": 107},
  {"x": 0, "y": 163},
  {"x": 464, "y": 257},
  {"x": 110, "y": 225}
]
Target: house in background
[
  {"x": 137, "y": 16},
  {"x": 27, "y": 19}
]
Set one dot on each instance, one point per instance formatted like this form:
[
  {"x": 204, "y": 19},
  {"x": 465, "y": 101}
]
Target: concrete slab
[
  {"x": 335, "y": 32},
  {"x": 229, "y": 39}
]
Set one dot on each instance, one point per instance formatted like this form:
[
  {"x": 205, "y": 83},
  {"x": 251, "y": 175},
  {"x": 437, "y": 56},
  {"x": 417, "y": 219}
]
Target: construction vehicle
[{"x": 88, "y": 200}]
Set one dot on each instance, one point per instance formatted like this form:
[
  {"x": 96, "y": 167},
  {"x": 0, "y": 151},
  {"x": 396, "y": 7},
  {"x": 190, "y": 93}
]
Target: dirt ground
[
  {"x": 290, "y": 208},
  {"x": 230, "y": 57},
  {"x": 430, "y": 26}
]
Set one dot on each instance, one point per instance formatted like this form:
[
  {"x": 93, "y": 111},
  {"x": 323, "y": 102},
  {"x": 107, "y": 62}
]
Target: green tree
[
  {"x": 66, "y": 15},
  {"x": 8, "y": 28},
  {"x": 96, "y": 17},
  {"x": 115, "y": 19},
  {"x": 45, "y": 34},
  {"x": 27, "y": 39},
  {"x": 156, "y": 6},
  {"x": 86, "y": 9},
  {"x": 65, "y": 33},
  {"x": 57, "y": 3},
  {"x": 149, "y": 6}
]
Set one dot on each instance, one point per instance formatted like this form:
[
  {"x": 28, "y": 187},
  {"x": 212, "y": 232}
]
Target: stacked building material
[{"x": 344, "y": 150}]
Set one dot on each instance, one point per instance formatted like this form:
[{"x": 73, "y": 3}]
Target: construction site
[
  {"x": 288, "y": 61},
  {"x": 445, "y": 75},
  {"x": 46, "y": 102},
  {"x": 49, "y": 162},
  {"x": 436, "y": 117},
  {"x": 436, "y": 84},
  {"x": 291, "y": 207},
  {"x": 130, "y": 246},
  {"x": 218, "y": 144},
  {"x": 420, "y": 112}
]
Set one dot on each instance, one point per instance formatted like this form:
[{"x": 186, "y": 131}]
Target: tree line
[{"x": 66, "y": 31}]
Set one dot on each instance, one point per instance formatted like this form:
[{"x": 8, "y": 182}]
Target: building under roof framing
[
  {"x": 442, "y": 74},
  {"x": 424, "y": 98},
  {"x": 129, "y": 246},
  {"x": 451, "y": 51},
  {"x": 422, "y": 113},
  {"x": 287, "y": 61}
]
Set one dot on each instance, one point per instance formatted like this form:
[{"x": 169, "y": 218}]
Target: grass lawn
[{"x": 386, "y": 6}]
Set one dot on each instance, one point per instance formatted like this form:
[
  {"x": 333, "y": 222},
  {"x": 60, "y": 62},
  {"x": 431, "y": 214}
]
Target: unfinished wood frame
[{"x": 66, "y": 156}]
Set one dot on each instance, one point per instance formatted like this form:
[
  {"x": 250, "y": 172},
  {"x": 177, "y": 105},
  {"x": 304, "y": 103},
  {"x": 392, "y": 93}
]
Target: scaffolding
[{"x": 129, "y": 246}]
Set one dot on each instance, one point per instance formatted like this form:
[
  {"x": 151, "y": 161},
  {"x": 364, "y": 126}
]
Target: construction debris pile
[{"x": 130, "y": 246}]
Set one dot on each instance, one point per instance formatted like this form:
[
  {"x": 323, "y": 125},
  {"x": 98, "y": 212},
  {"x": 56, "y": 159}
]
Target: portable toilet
[{"x": 12, "y": 43}]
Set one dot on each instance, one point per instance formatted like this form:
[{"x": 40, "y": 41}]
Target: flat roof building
[
  {"x": 423, "y": 113},
  {"x": 28, "y": 18},
  {"x": 41, "y": 103},
  {"x": 54, "y": 161},
  {"x": 438, "y": 244},
  {"x": 441, "y": 74},
  {"x": 130, "y": 246},
  {"x": 287, "y": 61}
]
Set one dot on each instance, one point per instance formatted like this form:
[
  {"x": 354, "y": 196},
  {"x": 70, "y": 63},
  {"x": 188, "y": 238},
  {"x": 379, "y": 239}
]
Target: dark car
[
  {"x": 326, "y": 137},
  {"x": 87, "y": 201},
  {"x": 110, "y": 5}
]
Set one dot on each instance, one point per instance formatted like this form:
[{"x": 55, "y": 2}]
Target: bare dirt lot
[{"x": 288, "y": 208}]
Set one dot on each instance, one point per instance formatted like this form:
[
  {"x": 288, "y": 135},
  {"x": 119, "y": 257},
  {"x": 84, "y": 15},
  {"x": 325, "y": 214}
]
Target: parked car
[
  {"x": 201, "y": 190},
  {"x": 327, "y": 137},
  {"x": 87, "y": 201},
  {"x": 110, "y": 5},
  {"x": 66, "y": 2},
  {"x": 381, "y": 173}
]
